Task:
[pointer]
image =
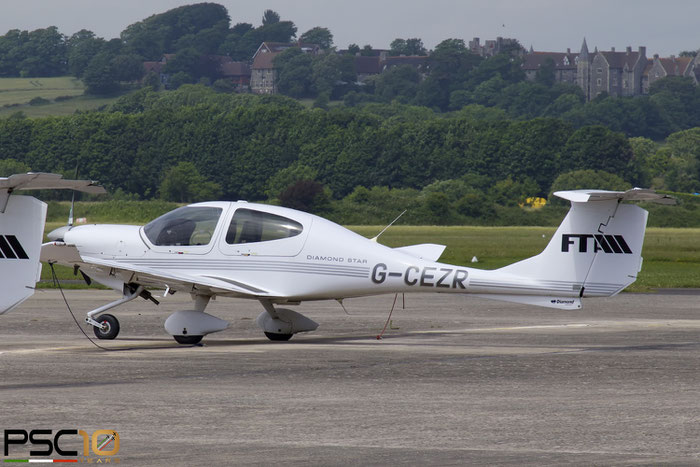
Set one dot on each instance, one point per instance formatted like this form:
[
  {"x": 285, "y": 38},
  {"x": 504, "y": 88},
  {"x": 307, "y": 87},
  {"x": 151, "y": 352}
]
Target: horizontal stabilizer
[
  {"x": 635, "y": 194},
  {"x": 47, "y": 181},
  {"x": 426, "y": 251},
  {"x": 562, "y": 303}
]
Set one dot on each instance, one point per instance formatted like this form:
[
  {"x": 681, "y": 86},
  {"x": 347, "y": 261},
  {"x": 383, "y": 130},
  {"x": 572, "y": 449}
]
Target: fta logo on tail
[
  {"x": 11, "y": 248},
  {"x": 597, "y": 242}
]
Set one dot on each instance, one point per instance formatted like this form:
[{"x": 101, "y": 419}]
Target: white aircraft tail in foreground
[
  {"x": 21, "y": 232},
  {"x": 595, "y": 252},
  {"x": 280, "y": 256}
]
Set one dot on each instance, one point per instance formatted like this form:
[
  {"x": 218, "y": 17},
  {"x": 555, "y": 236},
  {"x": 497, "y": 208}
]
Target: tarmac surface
[{"x": 456, "y": 380}]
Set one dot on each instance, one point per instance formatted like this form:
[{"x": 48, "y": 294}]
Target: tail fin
[
  {"x": 21, "y": 231},
  {"x": 596, "y": 251}
]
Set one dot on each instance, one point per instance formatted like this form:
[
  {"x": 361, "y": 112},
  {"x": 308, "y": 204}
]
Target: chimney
[
  {"x": 568, "y": 50},
  {"x": 612, "y": 49},
  {"x": 629, "y": 50},
  {"x": 642, "y": 51},
  {"x": 673, "y": 57}
]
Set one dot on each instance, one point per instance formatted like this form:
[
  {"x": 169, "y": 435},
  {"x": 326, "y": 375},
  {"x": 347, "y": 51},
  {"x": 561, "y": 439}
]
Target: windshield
[{"x": 188, "y": 225}]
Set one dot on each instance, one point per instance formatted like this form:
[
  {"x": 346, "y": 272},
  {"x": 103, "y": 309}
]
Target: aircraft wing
[{"x": 110, "y": 272}]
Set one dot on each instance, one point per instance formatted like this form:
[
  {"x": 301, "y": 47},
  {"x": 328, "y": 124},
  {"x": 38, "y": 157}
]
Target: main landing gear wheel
[
  {"x": 273, "y": 336},
  {"x": 109, "y": 329},
  {"x": 188, "y": 340}
]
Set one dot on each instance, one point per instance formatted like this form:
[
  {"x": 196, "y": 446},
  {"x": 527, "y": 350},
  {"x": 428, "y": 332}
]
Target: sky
[{"x": 664, "y": 27}]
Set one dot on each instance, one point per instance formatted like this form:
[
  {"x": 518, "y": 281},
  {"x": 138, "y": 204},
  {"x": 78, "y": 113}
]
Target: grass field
[
  {"x": 671, "y": 256},
  {"x": 15, "y": 94}
]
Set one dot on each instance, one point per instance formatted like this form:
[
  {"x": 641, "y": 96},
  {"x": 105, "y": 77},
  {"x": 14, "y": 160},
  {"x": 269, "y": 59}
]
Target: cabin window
[
  {"x": 185, "y": 226},
  {"x": 249, "y": 226}
]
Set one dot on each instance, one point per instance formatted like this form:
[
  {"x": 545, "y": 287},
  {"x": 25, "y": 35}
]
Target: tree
[
  {"x": 545, "y": 73},
  {"x": 511, "y": 192},
  {"x": 353, "y": 49},
  {"x": 682, "y": 151},
  {"x": 184, "y": 184},
  {"x": 449, "y": 64},
  {"x": 295, "y": 75},
  {"x": 501, "y": 64},
  {"x": 401, "y": 81},
  {"x": 367, "y": 51},
  {"x": 281, "y": 31},
  {"x": 678, "y": 98},
  {"x": 332, "y": 74},
  {"x": 525, "y": 99},
  {"x": 230, "y": 45},
  {"x": 563, "y": 104},
  {"x": 186, "y": 60},
  {"x": 180, "y": 78},
  {"x": 11, "y": 166},
  {"x": 11, "y": 51},
  {"x": 127, "y": 68},
  {"x": 270, "y": 17},
  {"x": 413, "y": 46},
  {"x": 158, "y": 34},
  {"x": 44, "y": 53},
  {"x": 82, "y": 46},
  {"x": 99, "y": 76},
  {"x": 597, "y": 148},
  {"x": 305, "y": 195},
  {"x": 318, "y": 35},
  {"x": 488, "y": 93},
  {"x": 287, "y": 177}
]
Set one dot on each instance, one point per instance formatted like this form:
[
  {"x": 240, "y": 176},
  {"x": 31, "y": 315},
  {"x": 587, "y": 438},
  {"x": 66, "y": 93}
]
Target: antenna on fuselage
[{"x": 374, "y": 239}]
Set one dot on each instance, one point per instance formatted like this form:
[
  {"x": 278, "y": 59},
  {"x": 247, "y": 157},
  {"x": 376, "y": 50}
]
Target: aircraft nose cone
[{"x": 56, "y": 235}]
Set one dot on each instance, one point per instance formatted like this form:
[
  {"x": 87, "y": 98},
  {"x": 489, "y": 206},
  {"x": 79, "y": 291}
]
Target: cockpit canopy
[
  {"x": 250, "y": 226},
  {"x": 188, "y": 225},
  {"x": 195, "y": 225}
]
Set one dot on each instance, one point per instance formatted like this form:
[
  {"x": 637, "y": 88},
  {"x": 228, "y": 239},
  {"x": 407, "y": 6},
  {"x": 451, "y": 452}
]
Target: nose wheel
[{"x": 109, "y": 327}]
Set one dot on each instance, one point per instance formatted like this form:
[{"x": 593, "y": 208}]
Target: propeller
[{"x": 56, "y": 235}]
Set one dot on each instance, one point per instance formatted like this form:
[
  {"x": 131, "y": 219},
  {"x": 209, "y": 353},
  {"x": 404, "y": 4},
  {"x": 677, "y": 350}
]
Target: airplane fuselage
[{"x": 322, "y": 261}]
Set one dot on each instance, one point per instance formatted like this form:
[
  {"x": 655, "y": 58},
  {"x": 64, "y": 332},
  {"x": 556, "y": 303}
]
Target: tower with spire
[{"x": 583, "y": 72}]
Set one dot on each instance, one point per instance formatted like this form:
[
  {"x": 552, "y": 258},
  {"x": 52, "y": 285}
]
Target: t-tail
[
  {"x": 21, "y": 232},
  {"x": 595, "y": 252}
]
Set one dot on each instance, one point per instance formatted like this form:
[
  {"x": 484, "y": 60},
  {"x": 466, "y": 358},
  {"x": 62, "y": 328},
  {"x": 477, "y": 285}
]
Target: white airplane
[{"x": 283, "y": 257}]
